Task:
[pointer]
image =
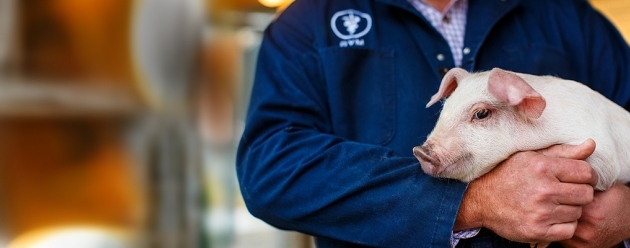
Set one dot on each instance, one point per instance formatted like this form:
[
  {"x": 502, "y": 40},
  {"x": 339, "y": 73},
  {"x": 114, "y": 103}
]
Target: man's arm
[
  {"x": 294, "y": 173},
  {"x": 533, "y": 197}
]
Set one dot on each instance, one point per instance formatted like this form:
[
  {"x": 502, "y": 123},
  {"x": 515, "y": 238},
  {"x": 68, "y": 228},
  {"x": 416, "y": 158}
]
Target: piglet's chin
[
  {"x": 430, "y": 168},
  {"x": 446, "y": 171}
]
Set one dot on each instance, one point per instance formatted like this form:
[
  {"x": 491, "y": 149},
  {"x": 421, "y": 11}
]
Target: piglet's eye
[{"x": 481, "y": 114}]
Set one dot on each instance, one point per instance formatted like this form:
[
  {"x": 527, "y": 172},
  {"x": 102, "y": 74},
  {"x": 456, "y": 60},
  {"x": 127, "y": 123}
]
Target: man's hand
[
  {"x": 532, "y": 197},
  {"x": 606, "y": 221}
]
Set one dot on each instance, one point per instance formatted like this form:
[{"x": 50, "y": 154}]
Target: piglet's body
[{"x": 490, "y": 115}]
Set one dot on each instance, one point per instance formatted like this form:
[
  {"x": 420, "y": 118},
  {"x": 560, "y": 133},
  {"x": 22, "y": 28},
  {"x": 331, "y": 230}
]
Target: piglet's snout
[{"x": 428, "y": 159}]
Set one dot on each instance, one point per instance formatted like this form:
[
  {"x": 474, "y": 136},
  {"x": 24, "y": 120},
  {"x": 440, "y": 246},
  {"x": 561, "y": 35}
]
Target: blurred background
[{"x": 119, "y": 121}]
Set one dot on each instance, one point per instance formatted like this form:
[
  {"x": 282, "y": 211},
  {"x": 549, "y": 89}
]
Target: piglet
[{"x": 490, "y": 115}]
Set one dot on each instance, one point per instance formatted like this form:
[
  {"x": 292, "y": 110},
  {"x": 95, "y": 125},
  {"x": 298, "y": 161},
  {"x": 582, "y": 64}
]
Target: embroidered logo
[{"x": 350, "y": 25}]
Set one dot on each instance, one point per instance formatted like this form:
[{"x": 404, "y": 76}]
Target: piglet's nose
[
  {"x": 430, "y": 164},
  {"x": 422, "y": 154}
]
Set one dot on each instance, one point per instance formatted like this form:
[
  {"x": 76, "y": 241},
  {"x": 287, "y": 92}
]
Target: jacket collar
[
  {"x": 485, "y": 13},
  {"x": 403, "y": 4},
  {"x": 487, "y": 6}
]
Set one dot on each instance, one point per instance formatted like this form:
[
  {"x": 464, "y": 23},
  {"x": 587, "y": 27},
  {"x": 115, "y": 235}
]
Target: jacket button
[
  {"x": 440, "y": 57},
  {"x": 442, "y": 71}
]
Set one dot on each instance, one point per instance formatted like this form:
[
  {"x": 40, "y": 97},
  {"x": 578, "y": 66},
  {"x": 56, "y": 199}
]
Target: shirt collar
[{"x": 448, "y": 6}]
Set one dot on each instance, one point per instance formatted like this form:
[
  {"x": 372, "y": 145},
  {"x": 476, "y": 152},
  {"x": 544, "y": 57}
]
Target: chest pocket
[{"x": 360, "y": 87}]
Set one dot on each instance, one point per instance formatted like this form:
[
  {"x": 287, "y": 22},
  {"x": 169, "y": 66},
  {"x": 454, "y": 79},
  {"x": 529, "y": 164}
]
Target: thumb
[{"x": 581, "y": 151}]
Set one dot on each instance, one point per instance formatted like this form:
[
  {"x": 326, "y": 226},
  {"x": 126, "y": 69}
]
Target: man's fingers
[
  {"x": 566, "y": 213},
  {"x": 574, "y": 194},
  {"x": 561, "y": 231},
  {"x": 581, "y": 151},
  {"x": 569, "y": 168},
  {"x": 573, "y": 171}
]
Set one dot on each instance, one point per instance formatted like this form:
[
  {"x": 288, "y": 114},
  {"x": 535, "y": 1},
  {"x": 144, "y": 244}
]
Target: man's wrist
[{"x": 468, "y": 216}]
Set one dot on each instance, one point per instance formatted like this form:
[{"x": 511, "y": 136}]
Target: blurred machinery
[
  {"x": 68, "y": 171},
  {"x": 98, "y": 146}
]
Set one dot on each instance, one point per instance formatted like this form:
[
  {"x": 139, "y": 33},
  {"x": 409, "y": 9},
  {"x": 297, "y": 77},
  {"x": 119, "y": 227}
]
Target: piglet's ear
[
  {"x": 509, "y": 87},
  {"x": 448, "y": 85}
]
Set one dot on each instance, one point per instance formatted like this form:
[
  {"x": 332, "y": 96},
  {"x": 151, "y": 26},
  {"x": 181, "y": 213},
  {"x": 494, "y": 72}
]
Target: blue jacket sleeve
[{"x": 294, "y": 173}]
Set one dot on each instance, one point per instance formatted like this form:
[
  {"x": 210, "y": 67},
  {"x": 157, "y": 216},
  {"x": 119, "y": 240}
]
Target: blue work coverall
[{"x": 338, "y": 104}]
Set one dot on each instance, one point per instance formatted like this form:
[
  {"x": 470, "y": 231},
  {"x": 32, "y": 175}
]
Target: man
[{"x": 337, "y": 107}]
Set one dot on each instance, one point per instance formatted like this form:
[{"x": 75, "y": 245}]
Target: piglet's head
[{"x": 481, "y": 123}]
